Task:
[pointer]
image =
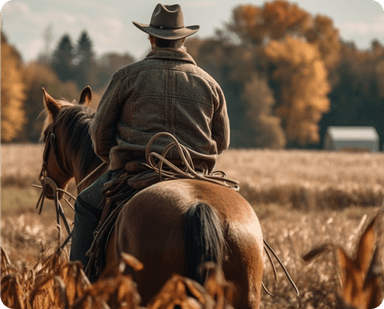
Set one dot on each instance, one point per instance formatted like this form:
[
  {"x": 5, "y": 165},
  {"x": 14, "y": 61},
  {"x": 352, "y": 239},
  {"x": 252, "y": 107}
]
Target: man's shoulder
[
  {"x": 203, "y": 74},
  {"x": 131, "y": 69},
  {"x": 148, "y": 64}
]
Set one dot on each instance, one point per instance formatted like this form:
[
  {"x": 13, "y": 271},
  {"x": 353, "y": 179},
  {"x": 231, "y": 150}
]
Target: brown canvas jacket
[{"x": 165, "y": 92}]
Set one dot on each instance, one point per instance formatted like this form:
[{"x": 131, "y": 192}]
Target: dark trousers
[{"x": 88, "y": 210}]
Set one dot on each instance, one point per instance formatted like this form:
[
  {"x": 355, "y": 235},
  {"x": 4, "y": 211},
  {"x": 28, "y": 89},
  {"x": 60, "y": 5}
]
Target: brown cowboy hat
[{"x": 167, "y": 23}]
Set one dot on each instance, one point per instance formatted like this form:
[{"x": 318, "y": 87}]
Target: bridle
[
  {"x": 47, "y": 182},
  {"x": 50, "y": 141}
]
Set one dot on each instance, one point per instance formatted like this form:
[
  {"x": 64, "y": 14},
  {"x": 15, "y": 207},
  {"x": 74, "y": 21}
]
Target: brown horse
[{"x": 172, "y": 226}]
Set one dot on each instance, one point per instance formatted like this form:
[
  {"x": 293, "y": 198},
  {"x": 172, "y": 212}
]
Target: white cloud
[
  {"x": 374, "y": 27},
  {"x": 200, "y": 4},
  {"x": 34, "y": 46}
]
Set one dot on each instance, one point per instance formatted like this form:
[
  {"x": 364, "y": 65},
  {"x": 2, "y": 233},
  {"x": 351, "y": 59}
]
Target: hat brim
[{"x": 167, "y": 34}]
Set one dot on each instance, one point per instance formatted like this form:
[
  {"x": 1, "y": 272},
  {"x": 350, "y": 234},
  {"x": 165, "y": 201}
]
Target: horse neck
[
  {"x": 91, "y": 177},
  {"x": 82, "y": 161}
]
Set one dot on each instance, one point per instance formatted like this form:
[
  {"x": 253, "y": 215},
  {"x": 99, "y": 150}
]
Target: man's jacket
[{"x": 165, "y": 92}]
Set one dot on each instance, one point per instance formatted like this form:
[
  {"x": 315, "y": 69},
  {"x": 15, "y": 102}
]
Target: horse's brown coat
[{"x": 150, "y": 226}]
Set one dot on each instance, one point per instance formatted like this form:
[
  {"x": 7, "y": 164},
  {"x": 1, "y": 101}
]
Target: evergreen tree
[
  {"x": 62, "y": 60},
  {"x": 357, "y": 94},
  {"x": 45, "y": 55},
  {"x": 38, "y": 75},
  {"x": 108, "y": 64},
  {"x": 84, "y": 61}
]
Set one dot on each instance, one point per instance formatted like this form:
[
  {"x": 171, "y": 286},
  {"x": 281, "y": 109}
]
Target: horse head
[{"x": 59, "y": 128}]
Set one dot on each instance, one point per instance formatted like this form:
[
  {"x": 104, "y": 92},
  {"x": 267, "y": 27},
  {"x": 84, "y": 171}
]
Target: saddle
[{"x": 116, "y": 194}]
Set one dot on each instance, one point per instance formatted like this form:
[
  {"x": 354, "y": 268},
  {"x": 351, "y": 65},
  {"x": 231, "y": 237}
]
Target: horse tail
[{"x": 204, "y": 240}]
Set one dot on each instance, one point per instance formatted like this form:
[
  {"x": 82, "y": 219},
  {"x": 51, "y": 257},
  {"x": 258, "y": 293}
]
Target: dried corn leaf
[
  {"x": 75, "y": 281},
  {"x": 132, "y": 261},
  {"x": 12, "y": 293},
  {"x": 90, "y": 302}
]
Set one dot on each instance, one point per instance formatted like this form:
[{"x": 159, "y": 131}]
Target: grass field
[{"x": 302, "y": 198}]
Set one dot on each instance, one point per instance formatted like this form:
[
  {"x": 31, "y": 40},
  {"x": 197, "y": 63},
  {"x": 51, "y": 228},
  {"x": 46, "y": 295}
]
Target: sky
[{"x": 109, "y": 23}]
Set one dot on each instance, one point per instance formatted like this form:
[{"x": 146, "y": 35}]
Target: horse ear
[
  {"x": 50, "y": 103},
  {"x": 86, "y": 96}
]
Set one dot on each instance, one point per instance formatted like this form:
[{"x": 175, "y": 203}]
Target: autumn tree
[
  {"x": 38, "y": 75},
  {"x": 300, "y": 76},
  {"x": 249, "y": 98},
  {"x": 12, "y": 92},
  {"x": 257, "y": 25},
  {"x": 275, "y": 20},
  {"x": 262, "y": 127},
  {"x": 298, "y": 50}
]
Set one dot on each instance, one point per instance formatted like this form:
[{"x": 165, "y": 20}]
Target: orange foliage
[
  {"x": 302, "y": 77},
  {"x": 12, "y": 93},
  {"x": 275, "y": 20}
]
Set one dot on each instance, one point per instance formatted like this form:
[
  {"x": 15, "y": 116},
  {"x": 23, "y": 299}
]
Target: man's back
[{"x": 165, "y": 92}]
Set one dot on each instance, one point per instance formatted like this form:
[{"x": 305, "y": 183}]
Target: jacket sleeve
[
  {"x": 220, "y": 123},
  {"x": 103, "y": 129}
]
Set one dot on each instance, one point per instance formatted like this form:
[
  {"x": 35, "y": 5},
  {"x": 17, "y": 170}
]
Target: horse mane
[{"x": 73, "y": 120}]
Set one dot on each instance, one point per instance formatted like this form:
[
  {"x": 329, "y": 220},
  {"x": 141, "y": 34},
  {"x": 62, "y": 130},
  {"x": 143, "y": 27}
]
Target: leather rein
[{"x": 47, "y": 182}]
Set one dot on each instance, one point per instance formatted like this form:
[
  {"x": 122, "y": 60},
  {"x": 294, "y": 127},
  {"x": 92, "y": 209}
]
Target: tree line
[
  {"x": 286, "y": 75},
  {"x": 63, "y": 73}
]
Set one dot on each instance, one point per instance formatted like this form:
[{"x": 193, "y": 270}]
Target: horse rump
[{"x": 204, "y": 240}]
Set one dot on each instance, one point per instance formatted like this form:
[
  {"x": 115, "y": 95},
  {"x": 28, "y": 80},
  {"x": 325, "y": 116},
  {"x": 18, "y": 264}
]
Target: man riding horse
[{"x": 165, "y": 92}]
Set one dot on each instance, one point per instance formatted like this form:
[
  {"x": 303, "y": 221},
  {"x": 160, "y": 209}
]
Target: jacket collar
[{"x": 170, "y": 54}]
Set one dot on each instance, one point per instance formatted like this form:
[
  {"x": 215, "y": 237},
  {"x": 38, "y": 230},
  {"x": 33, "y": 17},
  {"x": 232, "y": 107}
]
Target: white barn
[{"x": 351, "y": 139}]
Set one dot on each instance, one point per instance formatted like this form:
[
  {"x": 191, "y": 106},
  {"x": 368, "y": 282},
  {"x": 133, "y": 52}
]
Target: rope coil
[{"x": 189, "y": 172}]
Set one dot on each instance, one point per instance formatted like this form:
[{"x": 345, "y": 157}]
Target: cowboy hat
[{"x": 167, "y": 23}]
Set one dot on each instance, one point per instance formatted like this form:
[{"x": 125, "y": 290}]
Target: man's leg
[{"x": 87, "y": 215}]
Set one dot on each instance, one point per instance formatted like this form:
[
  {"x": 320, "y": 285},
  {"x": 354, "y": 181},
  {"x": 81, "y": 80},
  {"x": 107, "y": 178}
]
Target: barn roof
[{"x": 353, "y": 133}]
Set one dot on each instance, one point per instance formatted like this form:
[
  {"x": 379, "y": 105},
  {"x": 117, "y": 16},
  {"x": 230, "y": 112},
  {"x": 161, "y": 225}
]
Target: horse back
[{"x": 151, "y": 228}]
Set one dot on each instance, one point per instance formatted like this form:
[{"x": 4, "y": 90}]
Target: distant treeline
[{"x": 286, "y": 75}]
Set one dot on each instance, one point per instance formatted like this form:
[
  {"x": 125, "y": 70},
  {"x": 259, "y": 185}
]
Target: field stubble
[
  {"x": 301, "y": 179},
  {"x": 302, "y": 198}
]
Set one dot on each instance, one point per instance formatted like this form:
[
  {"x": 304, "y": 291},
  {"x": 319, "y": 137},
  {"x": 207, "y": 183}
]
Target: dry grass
[
  {"x": 302, "y": 198},
  {"x": 20, "y": 164},
  {"x": 307, "y": 179},
  {"x": 302, "y": 179},
  {"x": 293, "y": 233}
]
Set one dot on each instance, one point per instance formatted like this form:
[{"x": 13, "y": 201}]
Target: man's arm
[
  {"x": 103, "y": 128},
  {"x": 220, "y": 123}
]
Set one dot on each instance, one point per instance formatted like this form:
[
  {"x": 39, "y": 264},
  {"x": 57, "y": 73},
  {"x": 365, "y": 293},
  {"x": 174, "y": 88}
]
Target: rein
[{"x": 47, "y": 182}]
